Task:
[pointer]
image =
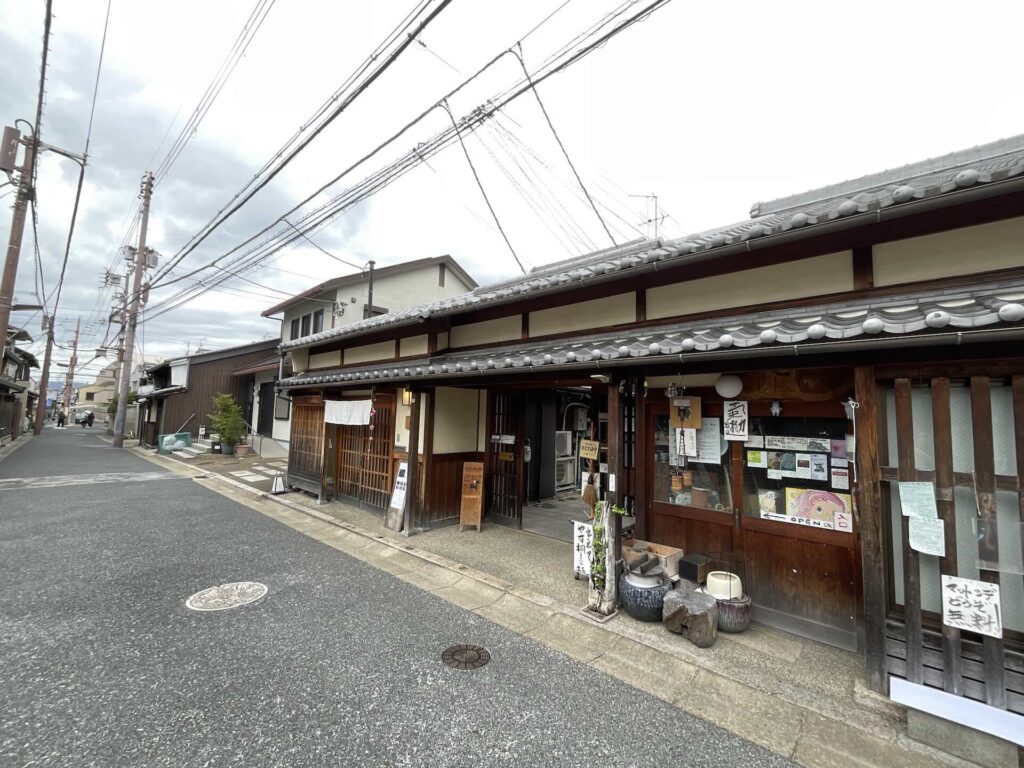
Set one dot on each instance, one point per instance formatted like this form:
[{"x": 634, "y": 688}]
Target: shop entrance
[
  {"x": 505, "y": 456},
  {"x": 362, "y": 462}
]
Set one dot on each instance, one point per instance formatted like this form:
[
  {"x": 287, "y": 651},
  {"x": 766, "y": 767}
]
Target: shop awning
[{"x": 936, "y": 317}]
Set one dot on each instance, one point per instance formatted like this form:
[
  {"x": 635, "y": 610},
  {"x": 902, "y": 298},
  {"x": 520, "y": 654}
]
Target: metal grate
[{"x": 465, "y": 656}]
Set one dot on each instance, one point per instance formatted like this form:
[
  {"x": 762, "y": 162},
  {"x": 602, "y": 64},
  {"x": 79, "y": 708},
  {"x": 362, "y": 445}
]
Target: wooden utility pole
[
  {"x": 69, "y": 384},
  {"x": 133, "y": 315}
]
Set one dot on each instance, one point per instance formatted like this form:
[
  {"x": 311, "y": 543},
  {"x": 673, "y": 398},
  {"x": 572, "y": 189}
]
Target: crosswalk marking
[{"x": 25, "y": 483}]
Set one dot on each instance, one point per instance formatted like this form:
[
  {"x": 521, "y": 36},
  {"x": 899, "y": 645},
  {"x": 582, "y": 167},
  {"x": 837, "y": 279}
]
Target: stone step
[
  {"x": 183, "y": 455},
  {"x": 194, "y": 450}
]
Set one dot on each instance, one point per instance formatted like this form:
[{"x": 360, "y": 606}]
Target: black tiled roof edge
[
  {"x": 898, "y": 191},
  {"x": 923, "y": 313}
]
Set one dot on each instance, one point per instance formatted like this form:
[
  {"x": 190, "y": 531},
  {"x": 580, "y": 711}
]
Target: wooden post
[
  {"x": 988, "y": 544},
  {"x": 907, "y": 471},
  {"x": 1018, "y": 432},
  {"x": 952, "y": 659},
  {"x": 412, "y": 505},
  {"x": 616, "y": 469},
  {"x": 869, "y": 526},
  {"x": 642, "y": 456}
]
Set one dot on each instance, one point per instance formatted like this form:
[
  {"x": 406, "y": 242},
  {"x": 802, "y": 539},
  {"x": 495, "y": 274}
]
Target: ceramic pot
[
  {"x": 242, "y": 449},
  {"x": 735, "y": 615},
  {"x": 643, "y": 601}
]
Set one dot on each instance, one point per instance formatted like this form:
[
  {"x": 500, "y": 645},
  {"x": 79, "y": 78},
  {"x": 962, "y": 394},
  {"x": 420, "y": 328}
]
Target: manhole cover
[
  {"x": 465, "y": 656},
  {"x": 225, "y": 596}
]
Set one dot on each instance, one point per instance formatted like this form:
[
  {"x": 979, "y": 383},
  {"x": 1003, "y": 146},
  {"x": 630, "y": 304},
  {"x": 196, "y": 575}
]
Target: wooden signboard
[
  {"x": 471, "y": 509},
  {"x": 394, "y": 519},
  {"x": 685, "y": 413},
  {"x": 589, "y": 449}
]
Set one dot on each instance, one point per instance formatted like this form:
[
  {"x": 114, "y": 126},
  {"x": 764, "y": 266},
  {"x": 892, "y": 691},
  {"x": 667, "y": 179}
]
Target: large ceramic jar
[{"x": 642, "y": 597}]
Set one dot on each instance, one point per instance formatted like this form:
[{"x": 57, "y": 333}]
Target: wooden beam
[
  {"x": 988, "y": 543},
  {"x": 1018, "y": 432},
  {"x": 524, "y": 326},
  {"x": 911, "y": 559},
  {"x": 863, "y": 268},
  {"x": 412, "y": 506},
  {"x": 641, "y": 305},
  {"x": 868, "y": 490},
  {"x": 952, "y": 658}
]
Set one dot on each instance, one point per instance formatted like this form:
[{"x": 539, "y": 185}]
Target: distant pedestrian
[
  {"x": 60, "y": 420},
  {"x": 90, "y": 418}
]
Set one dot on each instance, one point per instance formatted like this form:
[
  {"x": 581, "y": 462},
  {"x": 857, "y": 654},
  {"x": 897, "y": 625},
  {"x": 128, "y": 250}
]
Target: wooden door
[
  {"x": 306, "y": 447},
  {"x": 265, "y": 420},
  {"x": 504, "y": 460},
  {"x": 363, "y": 466}
]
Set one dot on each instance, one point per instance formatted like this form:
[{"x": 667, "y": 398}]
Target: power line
[{"x": 326, "y": 253}]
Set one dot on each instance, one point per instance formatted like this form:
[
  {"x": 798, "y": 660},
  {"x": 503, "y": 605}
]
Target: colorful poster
[
  {"x": 736, "y": 422},
  {"x": 838, "y": 449},
  {"x": 815, "y": 508},
  {"x": 971, "y": 605},
  {"x": 757, "y": 459}
]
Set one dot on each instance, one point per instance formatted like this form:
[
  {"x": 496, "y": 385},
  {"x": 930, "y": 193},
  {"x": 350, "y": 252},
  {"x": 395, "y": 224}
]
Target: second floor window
[
  {"x": 305, "y": 324},
  {"x": 318, "y": 321},
  {"x": 295, "y": 328}
]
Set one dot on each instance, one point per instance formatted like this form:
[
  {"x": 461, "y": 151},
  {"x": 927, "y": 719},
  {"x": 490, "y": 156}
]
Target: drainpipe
[{"x": 368, "y": 312}]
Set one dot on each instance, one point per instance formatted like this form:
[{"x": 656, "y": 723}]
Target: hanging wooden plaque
[{"x": 471, "y": 508}]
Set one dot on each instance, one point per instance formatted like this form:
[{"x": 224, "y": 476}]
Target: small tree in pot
[{"x": 226, "y": 419}]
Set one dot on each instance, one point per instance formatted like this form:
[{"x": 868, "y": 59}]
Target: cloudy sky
[{"x": 710, "y": 106}]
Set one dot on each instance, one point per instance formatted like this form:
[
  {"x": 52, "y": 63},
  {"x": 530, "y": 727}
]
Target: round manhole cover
[
  {"x": 465, "y": 656},
  {"x": 225, "y": 596}
]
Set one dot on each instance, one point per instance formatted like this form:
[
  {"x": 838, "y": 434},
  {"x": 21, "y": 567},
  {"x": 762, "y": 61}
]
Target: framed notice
[
  {"x": 471, "y": 508},
  {"x": 589, "y": 449}
]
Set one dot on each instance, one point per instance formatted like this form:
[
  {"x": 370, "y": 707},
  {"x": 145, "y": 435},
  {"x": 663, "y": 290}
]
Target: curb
[
  {"x": 15, "y": 445},
  {"x": 867, "y": 701}
]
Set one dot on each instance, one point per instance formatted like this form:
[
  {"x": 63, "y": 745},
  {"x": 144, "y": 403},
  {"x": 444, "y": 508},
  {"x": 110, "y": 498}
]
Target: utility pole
[
  {"x": 25, "y": 194},
  {"x": 44, "y": 379},
  {"x": 69, "y": 384},
  {"x": 133, "y": 315}
]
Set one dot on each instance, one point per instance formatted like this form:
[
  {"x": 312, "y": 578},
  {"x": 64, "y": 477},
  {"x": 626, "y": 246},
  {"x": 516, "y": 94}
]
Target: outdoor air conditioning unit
[
  {"x": 565, "y": 473},
  {"x": 563, "y": 443}
]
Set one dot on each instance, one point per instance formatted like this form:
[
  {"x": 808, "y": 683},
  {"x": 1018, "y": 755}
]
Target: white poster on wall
[
  {"x": 709, "y": 442},
  {"x": 927, "y": 536},
  {"x": 918, "y": 500}
]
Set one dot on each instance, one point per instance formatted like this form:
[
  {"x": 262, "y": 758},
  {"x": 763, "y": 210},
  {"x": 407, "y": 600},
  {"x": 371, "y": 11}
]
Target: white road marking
[{"x": 24, "y": 483}]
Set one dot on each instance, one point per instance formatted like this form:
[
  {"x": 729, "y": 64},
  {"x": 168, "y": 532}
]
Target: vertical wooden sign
[{"x": 471, "y": 508}]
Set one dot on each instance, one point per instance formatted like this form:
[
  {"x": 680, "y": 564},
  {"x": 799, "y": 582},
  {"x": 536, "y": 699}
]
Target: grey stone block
[{"x": 956, "y": 739}]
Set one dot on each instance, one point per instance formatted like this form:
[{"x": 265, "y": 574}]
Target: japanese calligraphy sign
[
  {"x": 589, "y": 449},
  {"x": 582, "y": 547},
  {"x": 971, "y": 605},
  {"x": 735, "y": 420}
]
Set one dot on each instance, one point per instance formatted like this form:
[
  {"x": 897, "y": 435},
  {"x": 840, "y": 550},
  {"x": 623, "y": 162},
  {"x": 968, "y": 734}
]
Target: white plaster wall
[
  {"x": 384, "y": 350},
  {"x": 325, "y": 359},
  {"x": 831, "y": 273},
  {"x": 402, "y": 412},
  {"x": 982, "y": 248},
  {"x": 487, "y": 331},
  {"x": 481, "y": 432},
  {"x": 300, "y": 360},
  {"x": 596, "y": 313},
  {"x": 324, "y": 302},
  {"x": 456, "y": 417},
  {"x": 413, "y": 345},
  {"x": 442, "y": 340}
]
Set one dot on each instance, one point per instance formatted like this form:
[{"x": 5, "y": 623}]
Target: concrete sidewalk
[{"x": 794, "y": 696}]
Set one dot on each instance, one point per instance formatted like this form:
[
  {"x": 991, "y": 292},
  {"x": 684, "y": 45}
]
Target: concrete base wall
[{"x": 977, "y": 747}]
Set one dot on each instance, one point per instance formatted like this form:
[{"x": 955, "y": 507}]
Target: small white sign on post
[
  {"x": 395, "y": 517},
  {"x": 972, "y": 605},
  {"x": 927, "y": 536},
  {"x": 918, "y": 500},
  {"x": 582, "y": 547},
  {"x": 736, "y": 421}
]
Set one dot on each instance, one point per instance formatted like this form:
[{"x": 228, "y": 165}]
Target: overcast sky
[{"x": 710, "y": 106}]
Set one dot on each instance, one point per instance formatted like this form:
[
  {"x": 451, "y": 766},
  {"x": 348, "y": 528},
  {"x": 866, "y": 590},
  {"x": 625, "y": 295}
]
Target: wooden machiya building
[{"x": 873, "y": 334}]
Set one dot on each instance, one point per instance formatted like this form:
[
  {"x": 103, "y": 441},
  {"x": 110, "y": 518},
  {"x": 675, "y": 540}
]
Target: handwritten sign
[
  {"x": 687, "y": 442},
  {"x": 589, "y": 449},
  {"x": 928, "y": 535},
  {"x": 918, "y": 500},
  {"x": 472, "y": 494},
  {"x": 582, "y": 547},
  {"x": 971, "y": 605},
  {"x": 735, "y": 422}
]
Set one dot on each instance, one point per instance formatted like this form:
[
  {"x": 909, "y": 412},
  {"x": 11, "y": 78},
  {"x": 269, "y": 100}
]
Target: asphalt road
[{"x": 101, "y": 663}]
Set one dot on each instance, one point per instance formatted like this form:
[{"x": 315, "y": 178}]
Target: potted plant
[{"x": 226, "y": 419}]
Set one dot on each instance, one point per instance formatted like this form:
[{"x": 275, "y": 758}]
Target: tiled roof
[
  {"x": 914, "y": 314},
  {"x": 986, "y": 164}
]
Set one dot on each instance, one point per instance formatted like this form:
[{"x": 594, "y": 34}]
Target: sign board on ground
[{"x": 471, "y": 508}]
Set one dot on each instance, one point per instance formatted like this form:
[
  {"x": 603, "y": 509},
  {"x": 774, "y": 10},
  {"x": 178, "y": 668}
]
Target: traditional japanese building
[{"x": 795, "y": 391}]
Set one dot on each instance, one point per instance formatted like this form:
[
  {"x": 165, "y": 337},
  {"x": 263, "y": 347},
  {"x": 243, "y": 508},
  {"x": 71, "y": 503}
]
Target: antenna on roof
[{"x": 656, "y": 219}]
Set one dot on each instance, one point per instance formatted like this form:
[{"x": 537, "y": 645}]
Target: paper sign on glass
[
  {"x": 971, "y": 605},
  {"x": 918, "y": 500},
  {"x": 840, "y": 478},
  {"x": 757, "y": 459},
  {"x": 928, "y": 536},
  {"x": 709, "y": 442},
  {"x": 689, "y": 445},
  {"x": 735, "y": 421}
]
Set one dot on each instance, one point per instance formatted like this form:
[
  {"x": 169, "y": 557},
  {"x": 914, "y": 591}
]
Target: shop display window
[
  {"x": 798, "y": 471},
  {"x": 705, "y": 482}
]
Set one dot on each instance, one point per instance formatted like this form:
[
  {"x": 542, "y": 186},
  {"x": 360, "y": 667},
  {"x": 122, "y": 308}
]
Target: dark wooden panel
[
  {"x": 869, "y": 525},
  {"x": 306, "y": 446},
  {"x": 911, "y": 559},
  {"x": 444, "y": 486},
  {"x": 988, "y": 544},
  {"x": 943, "y": 440}
]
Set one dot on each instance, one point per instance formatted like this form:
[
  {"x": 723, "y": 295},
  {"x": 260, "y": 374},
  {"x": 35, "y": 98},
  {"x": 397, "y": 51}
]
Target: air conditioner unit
[
  {"x": 565, "y": 473},
  {"x": 563, "y": 443}
]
